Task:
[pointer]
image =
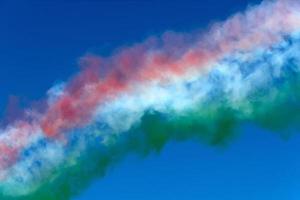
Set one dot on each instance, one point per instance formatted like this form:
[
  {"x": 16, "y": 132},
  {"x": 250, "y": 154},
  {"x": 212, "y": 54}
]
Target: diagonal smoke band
[{"x": 175, "y": 87}]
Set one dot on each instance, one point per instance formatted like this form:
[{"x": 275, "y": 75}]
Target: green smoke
[{"x": 214, "y": 123}]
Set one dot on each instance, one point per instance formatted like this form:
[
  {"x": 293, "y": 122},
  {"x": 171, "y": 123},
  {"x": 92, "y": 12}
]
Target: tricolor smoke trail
[{"x": 175, "y": 87}]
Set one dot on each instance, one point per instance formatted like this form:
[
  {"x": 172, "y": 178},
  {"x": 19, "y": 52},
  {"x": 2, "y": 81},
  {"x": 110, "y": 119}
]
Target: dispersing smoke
[{"x": 173, "y": 87}]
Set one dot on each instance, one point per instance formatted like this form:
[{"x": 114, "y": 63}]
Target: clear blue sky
[{"x": 40, "y": 42}]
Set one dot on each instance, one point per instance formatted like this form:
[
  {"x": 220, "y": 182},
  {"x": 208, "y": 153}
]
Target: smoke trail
[{"x": 198, "y": 86}]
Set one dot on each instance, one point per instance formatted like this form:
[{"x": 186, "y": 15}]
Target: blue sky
[{"x": 40, "y": 43}]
